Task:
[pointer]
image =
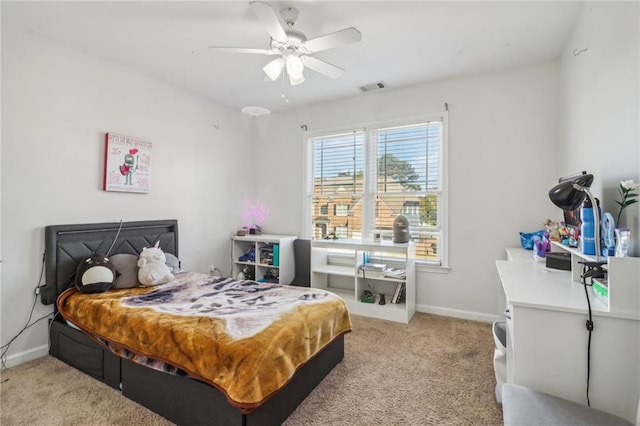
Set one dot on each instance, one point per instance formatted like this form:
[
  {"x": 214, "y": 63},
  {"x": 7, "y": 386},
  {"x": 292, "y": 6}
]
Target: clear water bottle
[
  {"x": 622, "y": 241},
  {"x": 587, "y": 230}
]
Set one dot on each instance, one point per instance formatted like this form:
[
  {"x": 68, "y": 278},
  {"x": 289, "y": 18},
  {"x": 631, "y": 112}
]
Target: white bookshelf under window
[{"x": 336, "y": 265}]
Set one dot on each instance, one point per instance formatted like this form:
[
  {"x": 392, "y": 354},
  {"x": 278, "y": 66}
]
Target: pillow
[
  {"x": 95, "y": 274},
  {"x": 126, "y": 266},
  {"x": 173, "y": 263}
]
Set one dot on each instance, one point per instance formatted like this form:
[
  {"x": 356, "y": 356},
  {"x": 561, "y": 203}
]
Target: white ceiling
[{"x": 403, "y": 43}]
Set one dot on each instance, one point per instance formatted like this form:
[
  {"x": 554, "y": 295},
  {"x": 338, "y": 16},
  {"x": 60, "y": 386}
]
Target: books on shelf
[
  {"x": 380, "y": 267},
  {"x": 394, "y": 273},
  {"x": 372, "y": 270},
  {"x": 399, "y": 293},
  {"x": 371, "y": 274},
  {"x": 270, "y": 254},
  {"x": 276, "y": 255}
]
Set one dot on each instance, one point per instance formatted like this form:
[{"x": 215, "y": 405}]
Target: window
[
  {"x": 341, "y": 231},
  {"x": 324, "y": 209},
  {"x": 370, "y": 175},
  {"x": 321, "y": 231},
  {"x": 411, "y": 209},
  {"x": 341, "y": 209},
  {"x": 338, "y": 180}
]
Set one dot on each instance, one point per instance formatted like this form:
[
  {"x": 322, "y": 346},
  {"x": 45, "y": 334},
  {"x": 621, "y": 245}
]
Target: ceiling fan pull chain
[{"x": 285, "y": 95}]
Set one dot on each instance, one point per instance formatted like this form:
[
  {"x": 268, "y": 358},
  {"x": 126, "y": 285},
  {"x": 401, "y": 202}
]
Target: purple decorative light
[{"x": 254, "y": 214}]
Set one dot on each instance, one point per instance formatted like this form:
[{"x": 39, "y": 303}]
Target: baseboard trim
[
  {"x": 28, "y": 355},
  {"x": 456, "y": 313}
]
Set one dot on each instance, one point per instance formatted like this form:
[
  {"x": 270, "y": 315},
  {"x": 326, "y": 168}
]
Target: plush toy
[
  {"x": 173, "y": 263},
  {"x": 153, "y": 270},
  {"x": 126, "y": 270},
  {"x": 95, "y": 274},
  {"x": 552, "y": 229}
]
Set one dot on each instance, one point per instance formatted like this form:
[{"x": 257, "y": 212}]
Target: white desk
[{"x": 547, "y": 336}]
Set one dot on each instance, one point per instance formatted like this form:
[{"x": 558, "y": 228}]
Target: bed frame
[{"x": 178, "y": 398}]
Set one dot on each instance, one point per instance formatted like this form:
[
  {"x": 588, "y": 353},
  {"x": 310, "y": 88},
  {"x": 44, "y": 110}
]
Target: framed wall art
[{"x": 127, "y": 164}]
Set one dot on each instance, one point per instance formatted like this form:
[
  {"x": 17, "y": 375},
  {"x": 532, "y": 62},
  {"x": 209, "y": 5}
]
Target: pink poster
[{"x": 127, "y": 164}]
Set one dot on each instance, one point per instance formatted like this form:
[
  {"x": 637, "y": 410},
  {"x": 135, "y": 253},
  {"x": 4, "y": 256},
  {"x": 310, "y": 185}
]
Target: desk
[{"x": 547, "y": 339}]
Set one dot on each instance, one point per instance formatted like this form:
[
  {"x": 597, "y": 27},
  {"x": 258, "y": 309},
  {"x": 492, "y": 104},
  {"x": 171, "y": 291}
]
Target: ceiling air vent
[{"x": 373, "y": 86}]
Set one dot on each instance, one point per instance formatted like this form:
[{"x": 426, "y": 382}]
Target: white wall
[
  {"x": 601, "y": 103},
  {"x": 601, "y": 107},
  {"x": 57, "y": 104},
  {"x": 503, "y": 131}
]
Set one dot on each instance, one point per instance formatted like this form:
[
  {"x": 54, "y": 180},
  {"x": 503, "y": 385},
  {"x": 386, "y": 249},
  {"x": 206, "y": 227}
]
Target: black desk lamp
[{"x": 570, "y": 194}]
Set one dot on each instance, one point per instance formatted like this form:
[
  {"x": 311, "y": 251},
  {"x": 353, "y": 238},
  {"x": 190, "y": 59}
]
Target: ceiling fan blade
[
  {"x": 244, "y": 50},
  {"x": 321, "y": 66},
  {"x": 268, "y": 17},
  {"x": 346, "y": 36}
]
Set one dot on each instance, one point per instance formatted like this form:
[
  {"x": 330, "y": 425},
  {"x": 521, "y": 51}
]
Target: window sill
[
  {"x": 423, "y": 267},
  {"x": 432, "y": 269}
]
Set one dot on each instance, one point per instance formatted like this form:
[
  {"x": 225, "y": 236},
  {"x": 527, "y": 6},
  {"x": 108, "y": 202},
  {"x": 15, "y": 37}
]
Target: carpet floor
[{"x": 434, "y": 371}]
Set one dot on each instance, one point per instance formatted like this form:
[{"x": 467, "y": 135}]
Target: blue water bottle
[{"x": 587, "y": 230}]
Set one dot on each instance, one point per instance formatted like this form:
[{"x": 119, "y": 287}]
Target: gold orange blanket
[{"x": 245, "y": 338}]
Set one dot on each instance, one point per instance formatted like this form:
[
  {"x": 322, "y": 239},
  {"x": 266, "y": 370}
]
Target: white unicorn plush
[{"x": 153, "y": 270}]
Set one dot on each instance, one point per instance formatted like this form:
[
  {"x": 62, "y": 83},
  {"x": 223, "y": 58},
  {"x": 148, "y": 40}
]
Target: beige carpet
[{"x": 434, "y": 371}]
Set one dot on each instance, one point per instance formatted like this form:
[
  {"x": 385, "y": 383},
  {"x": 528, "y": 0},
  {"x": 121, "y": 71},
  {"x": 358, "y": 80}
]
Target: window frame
[
  {"x": 368, "y": 218},
  {"x": 342, "y": 211}
]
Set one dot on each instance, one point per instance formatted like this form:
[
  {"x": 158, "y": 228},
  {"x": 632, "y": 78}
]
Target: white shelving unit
[
  {"x": 335, "y": 266},
  {"x": 283, "y": 263},
  {"x": 623, "y": 275}
]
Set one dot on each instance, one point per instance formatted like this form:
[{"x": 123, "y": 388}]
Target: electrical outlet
[{"x": 212, "y": 269}]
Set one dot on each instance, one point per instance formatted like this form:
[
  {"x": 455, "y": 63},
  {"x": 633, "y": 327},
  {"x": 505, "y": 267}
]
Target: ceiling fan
[{"x": 292, "y": 48}]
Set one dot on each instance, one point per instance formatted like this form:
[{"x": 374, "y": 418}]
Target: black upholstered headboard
[{"x": 66, "y": 245}]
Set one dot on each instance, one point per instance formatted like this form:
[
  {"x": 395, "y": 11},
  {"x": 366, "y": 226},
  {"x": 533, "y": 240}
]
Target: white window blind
[
  {"x": 408, "y": 158},
  {"x": 339, "y": 164}
]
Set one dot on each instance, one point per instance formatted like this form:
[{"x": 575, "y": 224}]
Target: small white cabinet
[
  {"x": 264, "y": 257},
  {"x": 336, "y": 266}
]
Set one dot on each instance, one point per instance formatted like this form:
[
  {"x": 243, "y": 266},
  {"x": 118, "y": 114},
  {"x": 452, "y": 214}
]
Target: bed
[{"x": 177, "y": 393}]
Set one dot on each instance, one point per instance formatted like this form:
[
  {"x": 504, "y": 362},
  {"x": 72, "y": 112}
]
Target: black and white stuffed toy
[{"x": 95, "y": 274}]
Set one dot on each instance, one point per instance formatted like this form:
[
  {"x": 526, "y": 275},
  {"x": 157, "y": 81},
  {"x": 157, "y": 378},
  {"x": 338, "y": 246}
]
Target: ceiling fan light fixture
[
  {"x": 295, "y": 67},
  {"x": 274, "y": 68},
  {"x": 294, "y": 80}
]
